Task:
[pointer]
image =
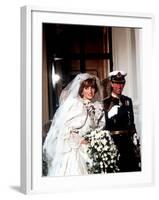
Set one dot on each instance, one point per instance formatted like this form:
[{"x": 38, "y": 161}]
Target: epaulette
[{"x": 125, "y": 97}]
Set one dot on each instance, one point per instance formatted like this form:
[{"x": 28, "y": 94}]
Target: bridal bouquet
[{"x": 102, "y": 152}]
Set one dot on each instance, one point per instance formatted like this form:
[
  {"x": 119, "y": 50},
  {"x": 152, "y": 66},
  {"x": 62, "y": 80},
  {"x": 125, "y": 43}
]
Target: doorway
[{"x": 67, "y": 51}]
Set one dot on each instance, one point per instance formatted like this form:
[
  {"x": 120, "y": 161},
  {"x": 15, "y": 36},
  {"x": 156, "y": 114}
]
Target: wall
[
  {"x": 10, "y": 97},
  {"x": 126, "y": 56}
]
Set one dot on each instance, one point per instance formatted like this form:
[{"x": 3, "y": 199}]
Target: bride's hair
[{"x": 90, "y": 82}]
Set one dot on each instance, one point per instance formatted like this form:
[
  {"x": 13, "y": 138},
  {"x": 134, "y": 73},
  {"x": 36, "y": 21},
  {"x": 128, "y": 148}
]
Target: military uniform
[{"x": 122, "y": 129}]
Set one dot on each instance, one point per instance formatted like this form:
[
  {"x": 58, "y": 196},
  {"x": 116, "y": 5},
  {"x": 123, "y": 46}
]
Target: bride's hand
[{"x": 83, "y": 141}]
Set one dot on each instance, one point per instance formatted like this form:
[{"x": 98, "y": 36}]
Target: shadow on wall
[{"x": 107, "y": 87}]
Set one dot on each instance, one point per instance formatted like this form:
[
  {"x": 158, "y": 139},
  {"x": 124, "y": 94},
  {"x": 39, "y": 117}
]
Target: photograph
[{"x": 88, "y": 120}]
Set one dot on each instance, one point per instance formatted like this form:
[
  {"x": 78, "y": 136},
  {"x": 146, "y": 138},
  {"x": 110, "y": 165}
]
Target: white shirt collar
[{"x": 115, "y": 95}]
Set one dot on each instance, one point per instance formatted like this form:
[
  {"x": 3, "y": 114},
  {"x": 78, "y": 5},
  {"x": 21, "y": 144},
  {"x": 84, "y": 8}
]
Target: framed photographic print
[{"x": 57, "y": 46}]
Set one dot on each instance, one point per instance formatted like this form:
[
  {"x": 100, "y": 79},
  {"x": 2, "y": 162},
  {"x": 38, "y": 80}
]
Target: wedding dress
[{"x": 75, "y": 117}]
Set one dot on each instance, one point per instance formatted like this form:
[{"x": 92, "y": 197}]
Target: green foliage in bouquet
[{"x": 102, "y": 152}]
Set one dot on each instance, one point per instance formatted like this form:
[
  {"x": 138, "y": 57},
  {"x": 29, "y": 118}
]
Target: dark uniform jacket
[
  {"x": 122, "y": 128},
  {"x": 124, "y": 120}
]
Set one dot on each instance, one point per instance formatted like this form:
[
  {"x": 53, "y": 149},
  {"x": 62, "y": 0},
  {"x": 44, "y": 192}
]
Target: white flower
[
  {"x": 99, "y": 148},
  {"x": 105, "y": 148},
  {"x": 92, "y": 143},
  {"x": 97, "y": 136},
  {"x": 111, "y": 143},
  {"x": 93, "y": 133},
  {"x": 104, "y": 141},
  {"x": 106, "y": 165},
  {"x": 102, "y": 151},
  {"x": 108, "y": 162}
]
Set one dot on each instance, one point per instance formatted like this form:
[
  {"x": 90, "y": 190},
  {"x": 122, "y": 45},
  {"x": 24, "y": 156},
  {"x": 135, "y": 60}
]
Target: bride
[{"x": 80, "y": 112}]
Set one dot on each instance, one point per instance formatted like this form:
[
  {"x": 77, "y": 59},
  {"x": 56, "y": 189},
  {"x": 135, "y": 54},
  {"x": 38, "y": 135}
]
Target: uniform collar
[{"x": 115, "y": 96}]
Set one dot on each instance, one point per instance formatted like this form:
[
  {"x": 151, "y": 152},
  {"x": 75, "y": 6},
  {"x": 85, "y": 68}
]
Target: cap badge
[{"x": 119, "y": 75}]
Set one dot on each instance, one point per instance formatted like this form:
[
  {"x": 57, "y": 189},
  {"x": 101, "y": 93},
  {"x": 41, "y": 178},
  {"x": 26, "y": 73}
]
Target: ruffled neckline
[{"x": 86, "y": 101}]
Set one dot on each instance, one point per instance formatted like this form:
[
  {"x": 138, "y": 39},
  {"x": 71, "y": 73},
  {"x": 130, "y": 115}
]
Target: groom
[{"x": 120, "y": 122}]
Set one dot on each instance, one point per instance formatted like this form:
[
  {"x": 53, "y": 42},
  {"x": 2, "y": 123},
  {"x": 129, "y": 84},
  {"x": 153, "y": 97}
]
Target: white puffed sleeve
[
  {"x": 76, "y": 121},
  {"x": 68, "y": 117},
  {"x": 77, "y": 115}
]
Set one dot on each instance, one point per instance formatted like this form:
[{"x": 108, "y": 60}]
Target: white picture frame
[{"x": 31, "y": 101}]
